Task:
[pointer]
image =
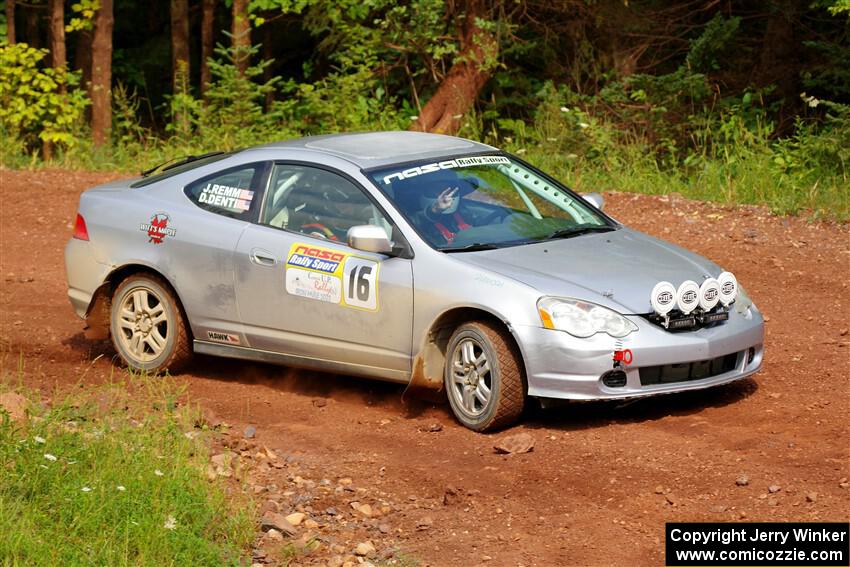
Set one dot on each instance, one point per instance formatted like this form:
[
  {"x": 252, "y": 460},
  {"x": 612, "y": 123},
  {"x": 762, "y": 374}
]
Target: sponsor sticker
[
  {"x": 157, "y": 229},
  {"x": 313, "y": 285},
  {"x": 221, "y": 337},
  {"x": 447, "y": 164},
  {"x": 226, "y": 197},
  {"x": 328, "y": 275}
]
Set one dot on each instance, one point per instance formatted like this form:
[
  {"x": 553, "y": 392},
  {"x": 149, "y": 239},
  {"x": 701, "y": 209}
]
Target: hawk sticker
[{"x": 157, "y": 229}]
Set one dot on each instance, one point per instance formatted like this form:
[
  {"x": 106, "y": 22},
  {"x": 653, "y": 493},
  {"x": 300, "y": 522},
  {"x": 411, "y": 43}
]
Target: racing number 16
[{"x": 360, "y": 284}]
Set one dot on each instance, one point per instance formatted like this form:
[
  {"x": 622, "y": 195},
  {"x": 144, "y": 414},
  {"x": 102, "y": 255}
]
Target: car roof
[{"x": 376, "y": 149}]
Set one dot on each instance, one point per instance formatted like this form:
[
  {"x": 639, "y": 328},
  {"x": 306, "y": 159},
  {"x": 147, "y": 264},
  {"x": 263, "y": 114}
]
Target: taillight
[{"x": 80, "y": 230}]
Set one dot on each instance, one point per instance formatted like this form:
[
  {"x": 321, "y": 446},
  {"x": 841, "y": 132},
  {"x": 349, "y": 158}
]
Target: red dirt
[{"x": 602, "y": 478}]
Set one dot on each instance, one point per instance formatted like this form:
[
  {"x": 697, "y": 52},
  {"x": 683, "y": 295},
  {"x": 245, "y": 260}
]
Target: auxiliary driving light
[
  {"x": 663, "y": 298},
  {"x": 728, "y": 287},
  {"x": 709, "y": 294},
  {"x": 687, "y": 296}
]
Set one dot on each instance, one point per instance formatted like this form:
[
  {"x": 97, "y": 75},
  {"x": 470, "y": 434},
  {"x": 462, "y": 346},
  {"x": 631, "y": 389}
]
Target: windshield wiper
[
  {"x": 577, "y": 230},
  {"x": 471, "y": 247},
  {"x": 172, "y": 163}
]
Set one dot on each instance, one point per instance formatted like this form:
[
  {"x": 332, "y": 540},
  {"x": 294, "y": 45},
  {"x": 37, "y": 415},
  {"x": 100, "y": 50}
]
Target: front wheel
[
  {"x": 147, "y": 326},
  {"x": 484, "y": 376}
]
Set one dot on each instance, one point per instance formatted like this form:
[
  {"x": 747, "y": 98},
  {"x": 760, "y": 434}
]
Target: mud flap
[
  {"x": 425, "y": 384},
  {"x": 98, "y": 314}
]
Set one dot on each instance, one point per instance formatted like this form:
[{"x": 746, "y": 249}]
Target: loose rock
[
  {"x": 743, "y": 480},
  {"x": 296, "y": 518},
  {"x": 812, "y": 497},
  {"x": 273, "y": 520},
  {"x": 365, "y": 549},
  {"x": 514, "y": 444},
  {"x": 250, "y": 432},
  {"x": 320, "y": 402},
  {"x": 774, "y": 488},
  {"x": 424, "y": 523},
  {"x": 451, "y": 496}
]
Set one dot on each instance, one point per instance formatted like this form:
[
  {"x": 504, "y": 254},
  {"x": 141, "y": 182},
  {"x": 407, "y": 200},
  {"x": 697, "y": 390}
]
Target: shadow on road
[
  {"x": 564, "y": 415},
  {"x": 572, "y": 416},
  {"x": 311, "y": 384}
]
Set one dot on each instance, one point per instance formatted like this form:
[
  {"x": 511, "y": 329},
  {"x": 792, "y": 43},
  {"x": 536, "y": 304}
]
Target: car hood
[{"x": 617, "y": 269}]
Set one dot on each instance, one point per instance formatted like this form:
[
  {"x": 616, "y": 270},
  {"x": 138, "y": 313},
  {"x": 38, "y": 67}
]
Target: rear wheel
[
  {"x": 147, "y": 325},
  {"x": 484, "y": 376}
]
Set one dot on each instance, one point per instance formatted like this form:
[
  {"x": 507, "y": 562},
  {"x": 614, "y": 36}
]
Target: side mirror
[
  {"x": 595, "y": 199},
  {"x": 369, "y": 238}
]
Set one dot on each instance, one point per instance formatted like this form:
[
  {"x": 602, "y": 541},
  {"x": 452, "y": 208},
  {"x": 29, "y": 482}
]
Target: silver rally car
[{"x": 423, "y": 259}]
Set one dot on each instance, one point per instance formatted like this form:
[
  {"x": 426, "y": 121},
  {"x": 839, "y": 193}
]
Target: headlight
[
  {"x": 742, "y": 301},
  {"x": 582, "y": 319}
]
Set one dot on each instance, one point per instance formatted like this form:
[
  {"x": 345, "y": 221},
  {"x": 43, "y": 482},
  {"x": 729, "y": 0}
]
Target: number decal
[{"x": 361, "y": 279}]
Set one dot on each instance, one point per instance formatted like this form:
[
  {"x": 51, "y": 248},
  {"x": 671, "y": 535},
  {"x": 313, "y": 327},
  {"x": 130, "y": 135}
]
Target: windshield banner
[{"x": 447, "y": 164}]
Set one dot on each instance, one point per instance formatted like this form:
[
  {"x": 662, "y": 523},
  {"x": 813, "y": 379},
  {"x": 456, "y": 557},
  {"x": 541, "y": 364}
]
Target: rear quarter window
[{"x": 232, "y": 193}]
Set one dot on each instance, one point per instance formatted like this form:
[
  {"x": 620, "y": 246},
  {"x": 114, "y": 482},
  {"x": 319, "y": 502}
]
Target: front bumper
[{"x": 559, "y": 365}]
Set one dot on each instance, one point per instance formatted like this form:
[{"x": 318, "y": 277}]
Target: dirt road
[{"x": 602, "y": 478}]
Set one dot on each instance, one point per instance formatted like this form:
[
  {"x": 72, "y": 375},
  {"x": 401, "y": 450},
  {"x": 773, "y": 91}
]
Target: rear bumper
[
  {"x": 559, "y": 365},
  {"x": 84, "y": 273}
]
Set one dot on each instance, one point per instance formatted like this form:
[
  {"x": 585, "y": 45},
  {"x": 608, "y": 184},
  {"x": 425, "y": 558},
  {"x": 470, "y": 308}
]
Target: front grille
[{"x": 668, "y": 373}]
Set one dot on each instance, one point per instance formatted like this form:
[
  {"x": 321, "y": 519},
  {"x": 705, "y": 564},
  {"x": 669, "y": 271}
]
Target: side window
[
  {"x": 229, "y": 193},
  {"x": 317, "y": 202}
]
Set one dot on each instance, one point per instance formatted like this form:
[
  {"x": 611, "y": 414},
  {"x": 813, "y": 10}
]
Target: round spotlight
[
  {"x": 709, "y": 294},
  {"x": 663, "y": 298},
  {"x": 687, "y": 296},
  {"x": 728, "y": 287}
]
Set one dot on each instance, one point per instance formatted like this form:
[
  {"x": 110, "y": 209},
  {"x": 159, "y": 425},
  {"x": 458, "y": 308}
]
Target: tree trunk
[
  {"x": 10, "y": 21},
  {"x": 268, "y": 54},
  {"x": 82, "y": 59},
  {"x": 241, "y": 34},
  {"x": 56, "y": 14},
  {"x": 101, "y": 73},
  {"x": 780, "y": 60},
  {"x": 207, "y": 15},
  {"x": 467, "y": 76},
  {"x": 33, "y": 35},
  {"x": 179, "y": 45}
]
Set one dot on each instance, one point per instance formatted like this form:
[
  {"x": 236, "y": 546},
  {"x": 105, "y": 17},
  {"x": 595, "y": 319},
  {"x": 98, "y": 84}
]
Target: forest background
[{"x": 737, "y": 102}]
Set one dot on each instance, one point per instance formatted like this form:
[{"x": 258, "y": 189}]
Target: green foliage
[
  {"x": 711, "y": 43},
  {"x": 235, "y": 115},
  {"x": 37, "y": 104},
  {"x": 83, "y": 15},
  {"x": 115, "y": 477}
]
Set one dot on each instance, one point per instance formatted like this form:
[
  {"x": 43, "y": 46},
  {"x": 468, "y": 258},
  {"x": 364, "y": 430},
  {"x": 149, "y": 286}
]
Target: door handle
[{"x": 262, "y": 257}]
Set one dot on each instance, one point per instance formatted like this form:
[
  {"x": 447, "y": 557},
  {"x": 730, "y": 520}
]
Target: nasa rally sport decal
[
  {"x": 157, "y": 228},
  {"x": 332, "y": 276}
]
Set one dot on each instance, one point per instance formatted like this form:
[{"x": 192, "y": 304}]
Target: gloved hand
[{"x": 445, "y": 200}]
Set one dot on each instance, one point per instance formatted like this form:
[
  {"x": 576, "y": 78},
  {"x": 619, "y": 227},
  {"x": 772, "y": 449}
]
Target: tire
[
  {"x": 147, "y": 326},
  {"x": 467, "y": 385}
]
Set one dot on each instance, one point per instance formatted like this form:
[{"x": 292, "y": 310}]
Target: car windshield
[{"x": 483, "y": 202}]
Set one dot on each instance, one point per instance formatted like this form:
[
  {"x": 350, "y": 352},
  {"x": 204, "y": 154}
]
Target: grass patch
[{"x": 114, "y": 475}]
